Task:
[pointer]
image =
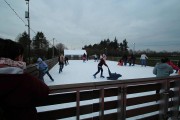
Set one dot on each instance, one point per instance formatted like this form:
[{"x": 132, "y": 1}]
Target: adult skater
[
  {"x": 66, "y": 60},
  {"x": 43, "y": 69},
  {"x": 84, "y": 57},
  {"x": 101, "y": 63},
  {"x": 143, "y": 59},
  {"x": 61, "y": 62}
]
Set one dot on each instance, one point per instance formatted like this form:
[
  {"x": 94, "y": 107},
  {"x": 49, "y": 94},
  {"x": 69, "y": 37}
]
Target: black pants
[
  {"x": 61, "y": 66},
  {"x": 99, "y": 69},
  {"x": 41, "y": 75}
]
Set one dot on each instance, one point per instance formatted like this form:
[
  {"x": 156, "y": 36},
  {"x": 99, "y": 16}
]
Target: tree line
[{"x": 39, "y": 46}]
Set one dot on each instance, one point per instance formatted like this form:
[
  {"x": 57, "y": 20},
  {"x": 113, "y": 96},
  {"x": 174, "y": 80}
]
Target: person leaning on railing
[
  {"x": 19, "y": 91},
  {"x": 162, "y": 69}
]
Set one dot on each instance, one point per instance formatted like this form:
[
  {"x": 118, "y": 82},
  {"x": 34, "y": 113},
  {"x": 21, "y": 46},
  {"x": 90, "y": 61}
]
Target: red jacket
[
  {"x": 173, "y": 65},
  {"x": 19, "y": 95}
]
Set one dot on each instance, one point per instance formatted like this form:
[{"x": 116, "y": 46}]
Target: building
[{"x": 74, "y": 54}]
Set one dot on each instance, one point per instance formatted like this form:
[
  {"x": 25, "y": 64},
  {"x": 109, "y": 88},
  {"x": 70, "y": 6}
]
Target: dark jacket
[
  {"x": 102, "y": 62},
  {"x": 19, "y": 95}
]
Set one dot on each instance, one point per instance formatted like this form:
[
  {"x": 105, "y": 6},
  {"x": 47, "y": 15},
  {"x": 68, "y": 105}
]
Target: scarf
[{"x": 12, "y": 63}]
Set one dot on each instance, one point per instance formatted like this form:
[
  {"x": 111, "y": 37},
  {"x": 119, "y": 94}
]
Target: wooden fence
[
  {"x": 112, "y": 100},
  {"x": 115, "y": 100}
]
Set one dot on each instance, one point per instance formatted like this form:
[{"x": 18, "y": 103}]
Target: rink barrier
[
  {"x": 32, "y": 68},
  {"x": 114, "y": 100}
]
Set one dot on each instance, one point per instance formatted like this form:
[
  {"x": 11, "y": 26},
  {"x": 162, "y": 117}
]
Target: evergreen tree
[
  {"x": 25, "y": 41},
  {"x": 40, "y": 45}
]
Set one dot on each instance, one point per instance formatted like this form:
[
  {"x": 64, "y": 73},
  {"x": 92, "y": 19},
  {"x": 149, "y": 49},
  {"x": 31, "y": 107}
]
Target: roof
[{"x": 74, "y": 52}]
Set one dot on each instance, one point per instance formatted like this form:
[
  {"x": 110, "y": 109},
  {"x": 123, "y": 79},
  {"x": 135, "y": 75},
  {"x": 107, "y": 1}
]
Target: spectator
[
  {"x": 101, "y": 63},
  {"x": 162, "y": 69},
  {"x": 143, "y": 59},
  {"x": 19, "y": 91},
  {"x": 43, "y": 69}
]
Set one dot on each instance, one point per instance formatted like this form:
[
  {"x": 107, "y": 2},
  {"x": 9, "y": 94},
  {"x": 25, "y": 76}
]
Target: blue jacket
[
  {"x": 162, "y": 70},
  {"x": 41, "y": 65}
]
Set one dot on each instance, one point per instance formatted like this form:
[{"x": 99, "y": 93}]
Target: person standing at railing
[
  {"x": 43, "y": 69},
  {"x": 143, "y": 59},
  {"x": 162, "y": 69},
  {"x": 19, "y": 92}
]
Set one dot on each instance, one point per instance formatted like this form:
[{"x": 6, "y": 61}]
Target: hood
[{"x": 39, "y": 60}]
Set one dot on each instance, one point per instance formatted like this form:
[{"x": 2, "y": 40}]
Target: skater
[
  {"x": 120, "y": 63},
  {"x": 43, "y": 69},
  {"x": 124, "y": 58},
  {"x": 101, "y": 63},
  {"x": 19, "y": 92},
  {"x": 66, "y": 60},
  {"x": 143, "y": 59},
  {"x": 61, "y": 62},
  {"x": 84, "y": 57}
]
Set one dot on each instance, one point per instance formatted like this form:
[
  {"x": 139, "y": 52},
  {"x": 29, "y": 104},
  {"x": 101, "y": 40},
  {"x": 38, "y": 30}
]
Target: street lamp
[
  {"x": 28, "y": 18},
  {"x": 53, "y": 49},
  {"x": 133, "y": 47}
]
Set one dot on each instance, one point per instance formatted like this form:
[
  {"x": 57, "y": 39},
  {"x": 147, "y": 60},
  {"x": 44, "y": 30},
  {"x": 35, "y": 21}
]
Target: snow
[{"x": 82, "y": 72}]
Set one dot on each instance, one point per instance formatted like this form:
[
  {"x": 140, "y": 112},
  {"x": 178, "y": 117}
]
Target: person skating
[
  {"x": 101, "y": 63},
  {"x": 61, "y": 62},
  {"x": 43, "y": 69}
]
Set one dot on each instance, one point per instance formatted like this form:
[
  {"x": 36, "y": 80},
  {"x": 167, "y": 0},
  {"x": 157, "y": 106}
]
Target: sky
[{"x": 145, "y": 24}]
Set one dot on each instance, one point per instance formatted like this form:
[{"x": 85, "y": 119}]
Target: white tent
[{"x": 73, "y": 53}]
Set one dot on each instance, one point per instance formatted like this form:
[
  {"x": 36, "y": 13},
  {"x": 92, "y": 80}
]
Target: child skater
[{"x": 101, "y": 63}]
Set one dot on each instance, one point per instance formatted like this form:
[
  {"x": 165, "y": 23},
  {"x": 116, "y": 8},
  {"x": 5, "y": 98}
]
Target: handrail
[{"x": 99, "y": 92}]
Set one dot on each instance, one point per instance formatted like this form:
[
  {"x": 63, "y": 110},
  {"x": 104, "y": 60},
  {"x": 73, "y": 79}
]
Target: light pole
[
  {"x": 28, "y": 18},
  {"x": 133, "y": 48},
  {"x": 53, "y": 49}
]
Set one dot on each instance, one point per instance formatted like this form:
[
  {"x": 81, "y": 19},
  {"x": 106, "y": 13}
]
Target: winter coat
[
  {"x": 173, "y": 65},
  {"x": 61, "y": 59},
  {"x": 143, "y": 57},
  {"x": 41, "y": 65},
  {"x": 102, "y": 62},
  {"x": 162, "y": 70},
  {"x": 19, "y": 95}
]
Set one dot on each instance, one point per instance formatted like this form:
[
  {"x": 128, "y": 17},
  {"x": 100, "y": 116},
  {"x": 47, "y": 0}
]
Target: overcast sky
[{"x": 153, "y": 24}]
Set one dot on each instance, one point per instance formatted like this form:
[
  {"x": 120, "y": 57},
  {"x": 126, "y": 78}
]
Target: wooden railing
[{"x": 114, "y": 100}]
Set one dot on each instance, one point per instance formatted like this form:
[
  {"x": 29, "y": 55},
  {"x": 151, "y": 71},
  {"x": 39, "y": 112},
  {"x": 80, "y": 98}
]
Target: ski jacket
[
  {"x": 41, "y": 65},
  {"x": 19, "y": 95},
  {"x": 162, "y": 70},
  {"x": 143, "y": 57},
  {"x": 173, "y": 65}
]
